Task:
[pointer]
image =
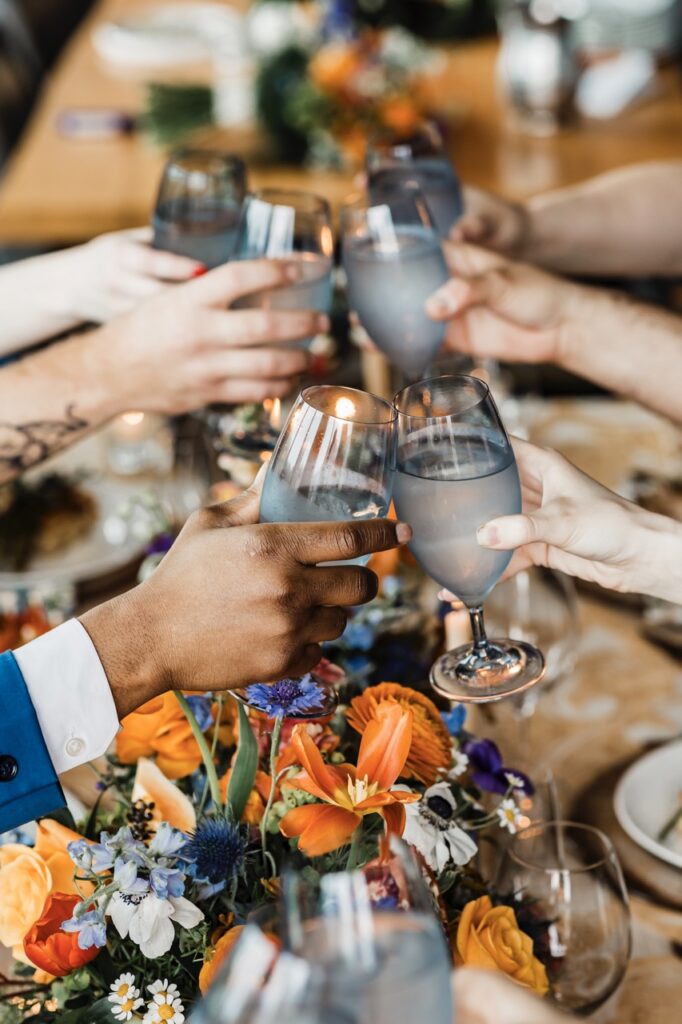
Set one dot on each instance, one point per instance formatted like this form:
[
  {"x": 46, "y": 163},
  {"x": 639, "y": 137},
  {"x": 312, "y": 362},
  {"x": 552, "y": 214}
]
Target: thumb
[
  {"x": 508, "y": 532},
  {"x": 459, "y": 295},
  {"x": 244, "y": 510}
]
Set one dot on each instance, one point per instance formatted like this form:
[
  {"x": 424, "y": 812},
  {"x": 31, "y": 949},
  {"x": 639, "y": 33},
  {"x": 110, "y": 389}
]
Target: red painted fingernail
[{"x": 199, "y": 271}]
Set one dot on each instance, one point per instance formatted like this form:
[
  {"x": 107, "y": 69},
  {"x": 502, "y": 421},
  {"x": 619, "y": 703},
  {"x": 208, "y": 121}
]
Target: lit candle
[
  {"x": 344, "y": 408},
  {"x": 139, "y": 442}
]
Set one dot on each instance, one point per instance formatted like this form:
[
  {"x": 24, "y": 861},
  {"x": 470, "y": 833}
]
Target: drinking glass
[
  {"x": 377, "y": 938},
  {"x": 567, "y": 886},
  {"x": 393, "y": 261},
  {"x": 419, "y": 157},
  {"x": 198, "y": 206},
  {"x": 456, "y": 471},
  {"x": 333, "y": 462}
]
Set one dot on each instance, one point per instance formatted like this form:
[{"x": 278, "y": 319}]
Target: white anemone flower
[
  {"x": 430, "y": 827},
  {"x": 149, "y": 920}
]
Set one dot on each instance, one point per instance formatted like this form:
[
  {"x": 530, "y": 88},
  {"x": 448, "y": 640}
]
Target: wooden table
[{"x": 58, "y": 191}]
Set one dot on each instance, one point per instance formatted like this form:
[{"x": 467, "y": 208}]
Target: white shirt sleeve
[{"x": 70, "y": 693}]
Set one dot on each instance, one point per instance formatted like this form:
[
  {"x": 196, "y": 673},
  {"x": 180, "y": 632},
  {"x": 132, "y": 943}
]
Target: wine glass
[
  {"x": 455, "y": 471},
  {"x": 333, "y": 462},
  {"x": 419, "y": 157},
  {"x": 393, "y": 261},
  {"x": 377, "y": 938},
  {"x": 568, "y": 890},
  {"x": 198, "y": 206}
]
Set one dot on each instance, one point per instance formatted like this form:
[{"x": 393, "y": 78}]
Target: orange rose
[
  {"x": 489, "y": 937},
  {"x": 159, "y": 728},
  {"x": 25, "y": 884},
  {"x": 51, "y": 949}
]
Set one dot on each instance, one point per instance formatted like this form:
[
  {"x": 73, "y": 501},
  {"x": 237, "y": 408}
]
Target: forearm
[
  {"x": 659, "y": 562},
  {"x": 38, "y": 299},
  {"x": 51, "y": 399},
  {"x": 625, "y": 223},
  {"x": 628, "y": 347}
]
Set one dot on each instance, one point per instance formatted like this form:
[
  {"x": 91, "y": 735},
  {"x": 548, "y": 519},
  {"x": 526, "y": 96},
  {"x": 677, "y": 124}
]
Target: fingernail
[
  {"x": 199, "y": 271},
  {"x": 294, "y": 271},
  {"x": 403, "y": 532},
  {"x": 440, "y": 304},
  {"x": 323, "y": 323},
  {"x": 488, "y": 536}
]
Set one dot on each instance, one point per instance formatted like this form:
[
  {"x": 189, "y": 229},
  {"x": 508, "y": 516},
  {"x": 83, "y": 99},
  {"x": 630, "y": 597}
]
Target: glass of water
[
  {"x": 198, "y": 206},
  {"x": 420, "y": 157},
  {"x": 394, "y": 261},
  {"x": 384, "y": 960},
  {"x": 455, "y": 471},
  {"x": 333, "y": 462},
  {"x": 566, "y": 878}
]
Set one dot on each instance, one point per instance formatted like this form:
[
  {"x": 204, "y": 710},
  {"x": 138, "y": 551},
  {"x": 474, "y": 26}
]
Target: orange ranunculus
[
  {"x": 159, "y": 728},
  {"x": 52, "y": 840},
  {"x": 430, "y": 747},
  {"x": 489, "y": 937},
  {"x": 258, "y": 797},
  {"x": 167, "y": 802},
  {"x": 348, "y": 793},
  {"x": 51, "y": 949},
  {"x": 216, "y": 956},
  {"x": 333, "y": 66},
  {"x": 25, "y": 884}
]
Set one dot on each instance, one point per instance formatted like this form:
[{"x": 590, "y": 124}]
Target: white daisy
[
  {"x": 124, "y": 997},
  {"x": 460, "y": 763},
  {"x": 514, "y": 781},
  {"x": 165, "y": 1006},
  {"x": 430, "y": 827},
  {"x": 510, "y": 816}
]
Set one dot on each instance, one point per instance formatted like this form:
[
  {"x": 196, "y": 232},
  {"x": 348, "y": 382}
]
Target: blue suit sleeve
[{"x": 29, "y": 787}]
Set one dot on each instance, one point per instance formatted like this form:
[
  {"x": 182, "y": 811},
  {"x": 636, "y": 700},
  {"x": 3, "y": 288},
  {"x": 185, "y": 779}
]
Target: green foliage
[
  {"x": 174, "y": 111},
  {"x": 91, "y": 1013},
  {"x": 245, "y": 768},
  {"x": 277, "y": 91}
]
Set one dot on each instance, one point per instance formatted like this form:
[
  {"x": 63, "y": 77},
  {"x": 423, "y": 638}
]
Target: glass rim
[
  {"x": 182, "y": 152},
  {"x": 537, "y": 826},
  {"x": 477, "y": 382},
  {"x": 306, "y": 396},
  {"x": 316, "y": 203}
]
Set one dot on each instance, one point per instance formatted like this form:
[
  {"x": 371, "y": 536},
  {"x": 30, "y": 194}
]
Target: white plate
[
  {"x": 167, "y": 35},
  {"x": 647, "y": 796}
]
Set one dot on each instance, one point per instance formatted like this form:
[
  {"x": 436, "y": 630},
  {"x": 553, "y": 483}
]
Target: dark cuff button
[{"x": 9, "y": 767}]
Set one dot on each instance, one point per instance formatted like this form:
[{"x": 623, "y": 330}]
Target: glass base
[
  {"x": 321, "y": 705},
  {"x": 501, "y": 669}
]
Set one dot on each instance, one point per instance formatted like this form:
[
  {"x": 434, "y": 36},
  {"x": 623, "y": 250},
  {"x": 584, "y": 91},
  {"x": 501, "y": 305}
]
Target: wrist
[
  {"x": 585, "y": 313},
  {"x": 125, "y": 640},
  {"x": 660, "y": 557}
]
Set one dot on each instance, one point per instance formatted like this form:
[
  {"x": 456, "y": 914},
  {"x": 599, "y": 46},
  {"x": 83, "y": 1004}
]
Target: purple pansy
[{"x": 487, "y": 770}]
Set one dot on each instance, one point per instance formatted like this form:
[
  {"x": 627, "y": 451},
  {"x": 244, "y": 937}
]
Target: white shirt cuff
[{"x": 70, "y": 693}]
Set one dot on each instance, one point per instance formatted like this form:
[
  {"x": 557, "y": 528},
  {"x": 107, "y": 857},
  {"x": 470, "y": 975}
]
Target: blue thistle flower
[
  {"x": 286, "y": 698},
  {"x": 216, "y": 849}
]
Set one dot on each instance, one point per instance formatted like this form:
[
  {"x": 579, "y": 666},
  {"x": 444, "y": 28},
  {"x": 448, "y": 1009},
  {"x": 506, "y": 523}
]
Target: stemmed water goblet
[
  {"x": 333, "y": 462},
  {"x": 199, "y": 204},
  {"x": 419, "y": 157},
  {"x": 566, "y": 884},
  {"x": 393, "y": 261},
  {"x": 455, "y": 471}
]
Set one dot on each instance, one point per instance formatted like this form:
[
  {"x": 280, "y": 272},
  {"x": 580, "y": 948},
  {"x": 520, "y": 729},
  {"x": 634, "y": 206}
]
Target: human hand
[
  {"x": 236, "y": 602},
  {"x": 112, "y": 273},
  {"x": 492, "y": 222},
  {"x": 503, "y": 310},
  {"x": 185, "y": 348},
  {"x": 488, "y": 997},
  {"x": 573, "y": 524}
]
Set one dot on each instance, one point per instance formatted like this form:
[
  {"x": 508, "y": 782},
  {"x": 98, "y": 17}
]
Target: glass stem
[{"x": 478, "y": 629}]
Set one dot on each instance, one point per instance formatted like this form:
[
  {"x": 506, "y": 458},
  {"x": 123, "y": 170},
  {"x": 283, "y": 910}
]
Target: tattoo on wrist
[{"x": 23, "y": 445}]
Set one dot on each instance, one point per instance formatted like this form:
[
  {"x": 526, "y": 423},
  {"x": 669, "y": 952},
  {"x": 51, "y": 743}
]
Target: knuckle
[
  {"x": 365, "y": 585},
  {"x": 347, "y": 539}
]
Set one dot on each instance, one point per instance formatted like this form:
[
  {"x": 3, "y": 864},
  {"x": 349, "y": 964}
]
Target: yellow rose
[
  {"x": 25, "y": 884},
  {"x": 489, "y": 937}
]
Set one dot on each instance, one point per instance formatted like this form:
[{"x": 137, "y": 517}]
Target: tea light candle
[{"x": 139, "y": 442}]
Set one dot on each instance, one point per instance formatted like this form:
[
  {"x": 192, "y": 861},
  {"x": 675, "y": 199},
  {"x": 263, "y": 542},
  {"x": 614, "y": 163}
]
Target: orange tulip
[
  {"x": 348, "y": 793},
  {"x": 216, "y": 957},
  {"x": 51, "y": 949},
  {"x": 430, "y": 746},
  {"x": 159, "y": 728}
]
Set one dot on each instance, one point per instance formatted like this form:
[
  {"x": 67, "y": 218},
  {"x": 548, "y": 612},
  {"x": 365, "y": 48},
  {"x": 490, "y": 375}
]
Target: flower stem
[
  {"x": 354, "y": 852},
  {"x": 220, "y": 700},
  {"x": 209, "y": 765},
  {"x": 274, "y": 751}
]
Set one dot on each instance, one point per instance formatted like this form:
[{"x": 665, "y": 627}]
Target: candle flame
[
  {"x": 132, "y": 418},
  {"x": 344, "y": 408}
]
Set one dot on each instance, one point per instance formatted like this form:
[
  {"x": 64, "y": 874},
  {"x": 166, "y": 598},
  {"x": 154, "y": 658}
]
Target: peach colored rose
[
  {"x": 489, "y": 937},
  {"x": 25, "y": 884}
]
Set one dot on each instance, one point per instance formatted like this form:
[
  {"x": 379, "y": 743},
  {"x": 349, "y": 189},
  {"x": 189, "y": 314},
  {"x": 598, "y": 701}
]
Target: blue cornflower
[
  {"x": 286, "y": 698},
  {"x": 91, "y": 928},
  {"x": 454, "y": 719},
  {"x": 216, "y": 850},
  {"x": 167, "y": 882},
  {"x": 167, "y": 841},
  {"x": 201, "y": 707}
]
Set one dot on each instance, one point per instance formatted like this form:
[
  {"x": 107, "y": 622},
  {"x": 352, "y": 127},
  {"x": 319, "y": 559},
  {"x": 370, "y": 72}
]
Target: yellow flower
[
  {"x": 51, "y": 844},
  {"x": 430, "y": 746},
  {"x": 489, "y": 937}
]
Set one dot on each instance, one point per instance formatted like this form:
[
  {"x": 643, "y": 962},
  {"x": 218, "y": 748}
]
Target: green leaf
[
  {"x": 94, "y": 1013},
  {"x": 245, "y": 767}
]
